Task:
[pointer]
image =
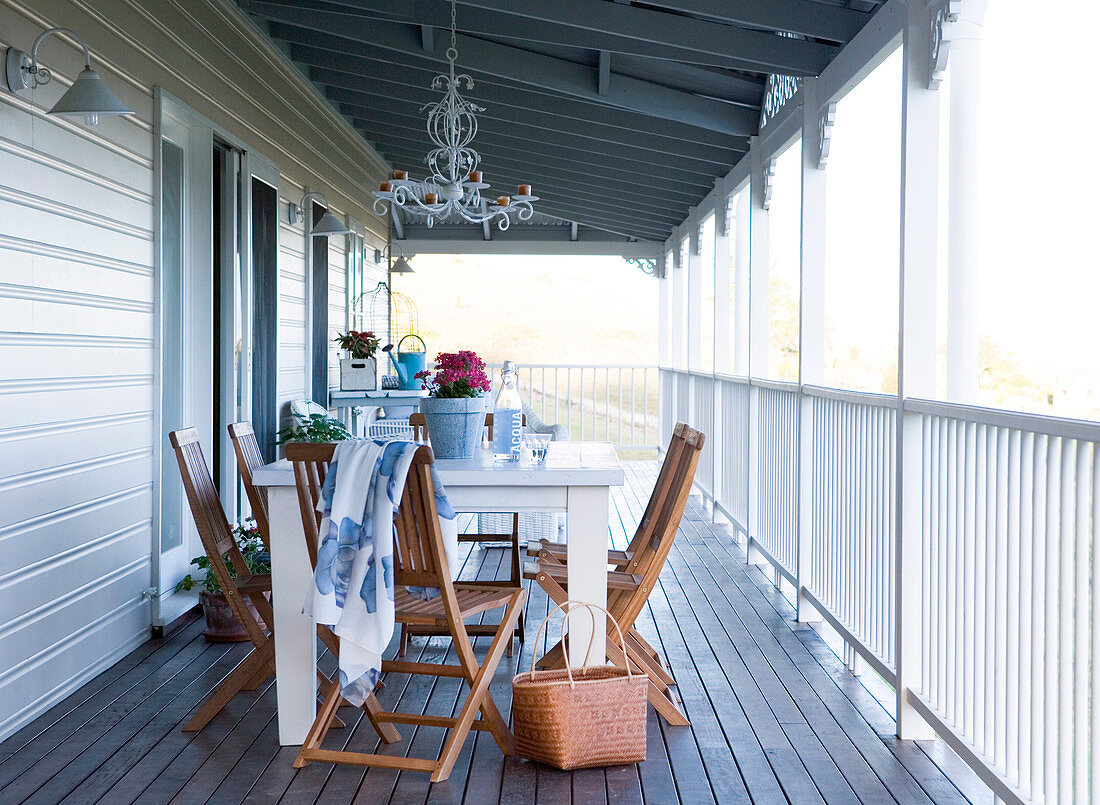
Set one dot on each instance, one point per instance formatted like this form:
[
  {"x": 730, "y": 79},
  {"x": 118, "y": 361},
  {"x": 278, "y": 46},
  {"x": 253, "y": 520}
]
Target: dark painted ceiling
[{"x": 620, "y": 114}]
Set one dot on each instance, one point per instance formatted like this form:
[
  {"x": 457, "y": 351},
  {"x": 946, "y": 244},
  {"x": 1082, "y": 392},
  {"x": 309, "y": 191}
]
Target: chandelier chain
[{"x": 452, "y": 52}]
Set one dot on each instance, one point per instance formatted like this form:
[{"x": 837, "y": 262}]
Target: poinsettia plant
[
  {"x": 457, "y": 374},
  {"x": 359, "y": 344}
]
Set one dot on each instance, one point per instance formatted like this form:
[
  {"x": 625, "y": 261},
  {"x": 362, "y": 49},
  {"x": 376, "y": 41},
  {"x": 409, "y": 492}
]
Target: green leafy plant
[
  {"x": 247, "y": 535},
  {"x": 319, "y": 428},
  {"x": 358, "y": 344}
]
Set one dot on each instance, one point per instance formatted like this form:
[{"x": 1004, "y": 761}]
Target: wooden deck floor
[{"x": 776, "y": 717}]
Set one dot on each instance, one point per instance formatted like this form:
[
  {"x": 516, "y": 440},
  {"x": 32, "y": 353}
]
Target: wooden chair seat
[
  {"x": 557, "y": 552},
  {"x": 472, "y": 600},
  {"x": 639, "y": 566}
]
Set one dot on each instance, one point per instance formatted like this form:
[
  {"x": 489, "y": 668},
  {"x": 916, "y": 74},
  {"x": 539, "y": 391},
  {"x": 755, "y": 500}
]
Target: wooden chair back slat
[
  {"x": 247, "y": 451},
  {"x": 214, "y": 529},
  {"x": 421, "y": 554},
  {"x": 664, "y": 486},
  {"x": 673, "y": 490}
]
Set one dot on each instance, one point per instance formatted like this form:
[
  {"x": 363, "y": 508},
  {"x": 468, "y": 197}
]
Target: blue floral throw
[{"x": 353, "y": 590}]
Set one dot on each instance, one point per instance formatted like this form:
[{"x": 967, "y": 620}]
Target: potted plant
[
  {"x": 455, "y": 407},
  {"x": 222, "y": 625},
  {"x": 319, "y": 428},
  {"x": 359, "y": 370}
]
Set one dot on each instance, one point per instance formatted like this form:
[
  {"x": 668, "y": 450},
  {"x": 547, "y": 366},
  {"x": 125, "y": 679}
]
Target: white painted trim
[{"x": 580, "y": 248}]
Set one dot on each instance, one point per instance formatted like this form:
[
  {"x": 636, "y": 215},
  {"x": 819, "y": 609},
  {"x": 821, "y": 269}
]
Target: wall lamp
[
  {"x": 329, "y": 223},
  {"x": 88, "y": 97},
  {"x": 398, "y": 266}
]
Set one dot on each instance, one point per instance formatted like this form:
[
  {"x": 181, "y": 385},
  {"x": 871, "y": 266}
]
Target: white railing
[
  {"x": 1010, "y": 622},
  {"x": 595, "y": 402},
  {"x": 702, "y": 402},
  {"x": 776, "y": 484},
  {"x": 731, "y": 435},
  {"x": 1000, "y": 513},
  {"x": 851, "y": 568}
]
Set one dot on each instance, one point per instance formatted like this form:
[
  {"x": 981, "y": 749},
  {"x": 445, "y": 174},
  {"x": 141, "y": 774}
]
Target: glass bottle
[{"x": 508, "y": 416}]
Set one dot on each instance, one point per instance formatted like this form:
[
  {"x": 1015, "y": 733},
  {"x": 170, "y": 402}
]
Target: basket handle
[{"x": 590, "y": 608}]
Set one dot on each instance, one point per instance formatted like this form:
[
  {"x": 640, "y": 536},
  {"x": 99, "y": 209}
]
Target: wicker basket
[{"x": 578, "y": 718}]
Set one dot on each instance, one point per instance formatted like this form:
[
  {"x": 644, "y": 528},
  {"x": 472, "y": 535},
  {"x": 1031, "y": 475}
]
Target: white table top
[{"x": 566, "y": 464}]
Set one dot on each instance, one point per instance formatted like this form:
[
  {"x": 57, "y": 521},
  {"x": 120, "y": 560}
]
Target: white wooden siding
[{"x": 77, "y": 306}]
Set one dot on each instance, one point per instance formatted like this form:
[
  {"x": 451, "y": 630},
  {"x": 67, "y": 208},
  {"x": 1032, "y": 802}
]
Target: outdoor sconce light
[
  {"x": 88, "y": 97},
  {"x": 329, "y": 223},
  {"x": 398, "y": 266}
]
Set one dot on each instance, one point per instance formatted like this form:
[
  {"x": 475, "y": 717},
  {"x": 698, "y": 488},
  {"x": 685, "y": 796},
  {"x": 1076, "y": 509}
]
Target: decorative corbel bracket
[
  {"x": 769, "y": 182},
  {"x": 725, "y": 214},
  {"x": 647, "y": 265},
  {"x": 946, "y": 14},
  {"x": 825, "y": 134}
]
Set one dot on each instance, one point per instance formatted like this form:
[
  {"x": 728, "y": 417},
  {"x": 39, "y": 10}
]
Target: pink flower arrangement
[{"x": 457, "y": 374}]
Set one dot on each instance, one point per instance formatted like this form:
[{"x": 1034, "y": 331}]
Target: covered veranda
[
  {"x": 875, "y": 596},
  {"x": 775, "y": 714}
]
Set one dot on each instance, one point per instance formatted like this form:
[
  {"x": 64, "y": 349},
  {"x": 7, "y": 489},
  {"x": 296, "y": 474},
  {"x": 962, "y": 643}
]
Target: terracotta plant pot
[{"x": 222, "y": 625}]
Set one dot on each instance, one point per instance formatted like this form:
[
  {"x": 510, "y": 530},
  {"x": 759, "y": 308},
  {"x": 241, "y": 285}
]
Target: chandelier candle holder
[{"x": 456, "y": 184}]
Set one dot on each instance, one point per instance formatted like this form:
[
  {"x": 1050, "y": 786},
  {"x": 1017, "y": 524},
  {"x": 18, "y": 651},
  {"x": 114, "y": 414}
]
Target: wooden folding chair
[
  {"x": 249, "y": 459},
  {"x": 420, "y": 434},
  {"x": 420, "y": 560},
  {"x": 639, "y": 567},
  {"x": 222, "y": 551}
]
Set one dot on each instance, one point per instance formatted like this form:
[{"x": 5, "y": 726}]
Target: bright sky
[{"x": 1040, "y": 281}]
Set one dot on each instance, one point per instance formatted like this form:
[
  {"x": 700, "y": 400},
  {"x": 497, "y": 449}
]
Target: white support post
[
  {"x": 694, "y": 292},
  {"x": 759, "y": 256},
  {"x": 759, "y": 265},
  {"x": 916, "y": 349},
  {"x": 662, "y": 318},
  {"x": 723, "y": 221},
  {"x": 964, "y": 201},
  {"x": 742, "y": 218},
  {"x": 811, "y": 329},
  {"x": 677, "y": 277}
]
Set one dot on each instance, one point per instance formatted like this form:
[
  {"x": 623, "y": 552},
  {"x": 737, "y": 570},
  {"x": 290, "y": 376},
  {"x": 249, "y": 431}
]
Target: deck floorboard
[{"x": 775, "y": 715}]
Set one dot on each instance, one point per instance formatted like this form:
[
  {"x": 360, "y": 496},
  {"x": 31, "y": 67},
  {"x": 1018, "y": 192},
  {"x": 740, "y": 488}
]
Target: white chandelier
[{"x": 455, "y": 186}]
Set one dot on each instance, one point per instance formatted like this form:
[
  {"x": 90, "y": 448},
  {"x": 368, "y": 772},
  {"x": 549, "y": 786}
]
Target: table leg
[
  {"x": 586, "y": 536},
  {"x": 295, "y": 635}
]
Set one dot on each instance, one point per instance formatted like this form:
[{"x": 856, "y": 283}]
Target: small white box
[{"x": 358, "y": 374}]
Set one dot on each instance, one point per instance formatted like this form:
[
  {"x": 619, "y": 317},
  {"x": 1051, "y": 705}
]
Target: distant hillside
[{"x": 535, "y": 309}]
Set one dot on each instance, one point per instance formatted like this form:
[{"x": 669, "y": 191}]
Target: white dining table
[{"x": 575, "y": 478}]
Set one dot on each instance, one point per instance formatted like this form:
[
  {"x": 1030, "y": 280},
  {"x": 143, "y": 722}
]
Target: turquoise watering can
[{"x": 407, "y": 364}]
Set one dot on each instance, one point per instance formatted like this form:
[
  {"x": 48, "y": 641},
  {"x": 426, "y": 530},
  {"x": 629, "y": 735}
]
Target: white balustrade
[
  {"x": 1009, "y": 505},
  {"x": 594, "y": 402},
  {"x": 851, "y": 573},
  {"x": 776, "y": 527}
]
